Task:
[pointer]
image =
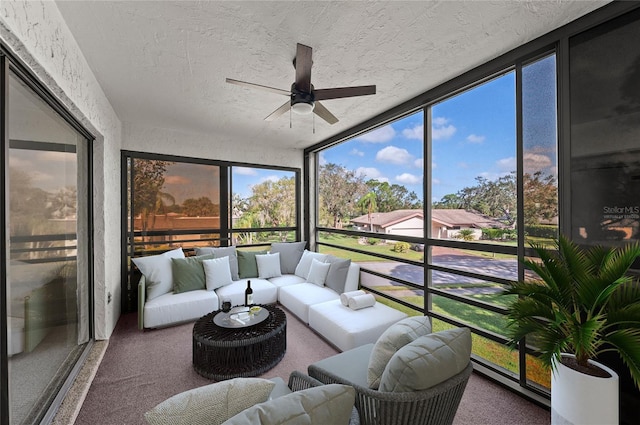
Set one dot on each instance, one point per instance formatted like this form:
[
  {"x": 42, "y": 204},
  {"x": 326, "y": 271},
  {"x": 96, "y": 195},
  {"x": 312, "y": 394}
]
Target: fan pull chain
[{"x": 290, "y": 124}]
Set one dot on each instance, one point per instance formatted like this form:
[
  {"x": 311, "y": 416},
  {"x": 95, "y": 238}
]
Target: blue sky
[
  {"x": 245, "y": 177},
  {"x": 474, "y": 134}
]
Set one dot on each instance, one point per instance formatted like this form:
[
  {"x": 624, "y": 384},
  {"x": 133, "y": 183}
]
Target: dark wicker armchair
[{"x": 436, "y": 405}]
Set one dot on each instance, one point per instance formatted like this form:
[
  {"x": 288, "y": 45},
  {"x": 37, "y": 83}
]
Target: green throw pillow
[
  {"x": 188, "y": 273},
  {"x": 247, "y": 265}
]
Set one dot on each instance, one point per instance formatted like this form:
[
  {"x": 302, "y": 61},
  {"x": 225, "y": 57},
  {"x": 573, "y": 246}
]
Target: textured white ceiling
[{"x": 164, "y": 63}]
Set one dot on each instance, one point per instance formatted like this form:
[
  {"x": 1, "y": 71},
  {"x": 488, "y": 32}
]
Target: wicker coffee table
[{"x": 229, "y": 352}]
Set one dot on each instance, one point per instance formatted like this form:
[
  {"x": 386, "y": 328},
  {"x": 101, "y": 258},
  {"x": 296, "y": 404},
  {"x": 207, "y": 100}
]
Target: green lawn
[{"x": 352, "y": 242}]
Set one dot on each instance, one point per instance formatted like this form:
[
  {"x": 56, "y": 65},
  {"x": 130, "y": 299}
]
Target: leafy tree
[
  {"x": 391, "y": 197},
  {"x": 450, "y": 201},
  {"x": 339, "y": 188},
  {"x": 200, "y": 207},
  {"x": 540, "y": 198},
  {"x": 495, "y": 198},
  {"x": 368, "y": 203},
  {"x": 148, "y": 199},
  {"x": 271, "y": 204},
  {"x": 466, "y": 234}
]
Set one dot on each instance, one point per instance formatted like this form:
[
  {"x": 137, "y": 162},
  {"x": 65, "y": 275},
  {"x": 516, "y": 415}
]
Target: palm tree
[
  {"x": 368, "y": 202},
  {"x": 582, "y": 303}
]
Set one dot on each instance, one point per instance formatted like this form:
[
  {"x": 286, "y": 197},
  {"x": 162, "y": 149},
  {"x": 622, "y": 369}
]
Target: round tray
[{"x": 226, "y": 320}]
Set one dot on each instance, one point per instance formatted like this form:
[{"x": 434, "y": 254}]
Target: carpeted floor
[{"x": 141, "y": 369}]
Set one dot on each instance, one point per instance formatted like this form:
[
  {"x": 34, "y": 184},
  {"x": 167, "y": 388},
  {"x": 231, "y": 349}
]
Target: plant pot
[{"x": 578, "y": 398}]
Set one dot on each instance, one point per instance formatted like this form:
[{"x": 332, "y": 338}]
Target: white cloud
[
  {"x": 440, "y": 129},
  {"x": 474, "y": 138},
  {"x": 379, "y": 135},
  {"x": 245, "y": 171},
  {"x": 507, "y": 164},
  {"x": 321, "y": 159},
  {"x": 394, "y": 155},
  {"x": 419, "y": 163},
  {"x": 415, "y": 133},
  {"x": 371, "y": 173},
  {"x": 269, "y": 178},
  {"x": 356, "y": 152},
  {"x": 407, "y": 178},
  {"x": 536, "y": 162},
  {"x": 462, "y": 165},
  {"x": 435, "y": 181}
]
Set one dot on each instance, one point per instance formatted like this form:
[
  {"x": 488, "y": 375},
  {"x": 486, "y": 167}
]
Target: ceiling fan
[{"x": 304, "y": 98}]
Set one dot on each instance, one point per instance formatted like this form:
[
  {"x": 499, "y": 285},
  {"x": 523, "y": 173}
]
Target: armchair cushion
[
  {"x": 391, "y": 340},
  {"x": 326, "y": 404},
  {"x": 211, "y": 404},
  {"x": 427, "y": 361}
]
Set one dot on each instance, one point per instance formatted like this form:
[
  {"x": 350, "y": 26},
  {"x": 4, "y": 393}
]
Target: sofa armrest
[
  {"x": 142, "y": 298},
  {"x": 353, "y": 278}
]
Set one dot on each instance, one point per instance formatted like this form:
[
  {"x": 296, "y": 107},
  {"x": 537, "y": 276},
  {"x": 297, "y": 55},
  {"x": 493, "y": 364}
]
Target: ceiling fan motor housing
[{"x": 302, "y": 102}]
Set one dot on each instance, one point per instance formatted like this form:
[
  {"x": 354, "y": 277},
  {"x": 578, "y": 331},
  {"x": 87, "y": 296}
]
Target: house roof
[
  {"x": 446, "y": 217},
  {"x": 463, "y": 218},
  {"x": 387, "y": 219}
]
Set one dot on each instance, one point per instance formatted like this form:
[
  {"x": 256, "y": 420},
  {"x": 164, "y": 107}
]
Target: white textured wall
[
  {"x": 136, "y": 137},
  {"x": 37, "y": 34}
]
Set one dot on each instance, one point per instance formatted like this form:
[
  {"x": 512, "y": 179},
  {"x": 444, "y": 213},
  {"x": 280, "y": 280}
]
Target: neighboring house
[{"x": 445, "y": 223}]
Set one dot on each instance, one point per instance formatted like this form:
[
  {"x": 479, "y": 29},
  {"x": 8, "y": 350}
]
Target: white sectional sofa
[{"x": 315, "y": 300}]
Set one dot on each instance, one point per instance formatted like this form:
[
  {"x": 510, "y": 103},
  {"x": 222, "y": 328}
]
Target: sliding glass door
[{"x": 47, "y": 265}]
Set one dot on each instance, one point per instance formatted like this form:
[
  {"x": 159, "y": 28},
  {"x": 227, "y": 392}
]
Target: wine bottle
[{"x": 248, "y": 294}]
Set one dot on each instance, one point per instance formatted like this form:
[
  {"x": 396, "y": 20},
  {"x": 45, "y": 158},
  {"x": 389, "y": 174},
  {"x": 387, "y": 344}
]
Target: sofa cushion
[
  {"x": 391, "y": 340},
  {"x": 247, "y": 265},
  {"x": 302, "y": 269},
  {"x": 268, "y": 265},
  {"x": 326, "y": 404},
  {"x": 337, "y": 276},
  {"x": 427, "y": 361},
  {"x": 157, "y": 272},
  {"x": 264, "y": 292},
  {"x": 318, "y": 272},
  {"x": 175, "y": 308},
  {"x": 290, "y": 254},
  {"x": 286, "y": 280},
  {"x": 217, "y": 272},
  {"x": 210, "y": 404},
  {"x": 225, "y": 251},
  {"x": 346, "y": 328},
  {"x": 298, "y": 298},
  {"x": 188, "y": 273}
]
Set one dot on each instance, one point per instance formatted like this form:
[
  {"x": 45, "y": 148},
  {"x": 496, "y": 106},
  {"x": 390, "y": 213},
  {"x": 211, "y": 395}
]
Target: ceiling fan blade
[
  {"x": 259, "y": 86},
  {"x": 281, "y": 110},
  {"x": 303, "y": 68},
  {"x": 339, "y": 92},
  {"x": 324, "y": 113}
]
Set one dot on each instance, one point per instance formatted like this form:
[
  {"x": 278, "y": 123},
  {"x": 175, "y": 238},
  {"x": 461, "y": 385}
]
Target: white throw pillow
[
  {"x": 211, "y": 404},
  {"x": 157, "y": 272},
  {"x": 217, "y": 273},
  {"x": 304, "y": 265},
  {"x": 268, "y": 265},
  {"x": 318, "y": 272}
]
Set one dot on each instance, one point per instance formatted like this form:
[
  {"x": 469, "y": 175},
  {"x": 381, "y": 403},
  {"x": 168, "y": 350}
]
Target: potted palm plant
[{"x": 581, "y": 304}]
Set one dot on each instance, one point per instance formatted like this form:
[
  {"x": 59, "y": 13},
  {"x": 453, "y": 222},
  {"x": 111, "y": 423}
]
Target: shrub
[
  {"x": 401, "y": 247},
  {"x": 373, "y": 241},
  {"x": 466, "y": 234},
  {"x": 547, "y": 231}
]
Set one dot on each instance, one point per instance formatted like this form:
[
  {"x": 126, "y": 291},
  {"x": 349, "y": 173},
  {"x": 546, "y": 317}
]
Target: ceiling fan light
[{"x": 303, "y": 108}]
